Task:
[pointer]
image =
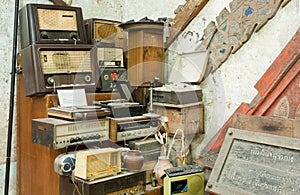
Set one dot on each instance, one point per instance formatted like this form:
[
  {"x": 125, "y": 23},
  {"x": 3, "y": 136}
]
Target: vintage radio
[
  {"x": 57, "y": 133},
  {"x": 123, "y": 183},
  {"x": 110, "y": 57},
  {"x": 97, "y": 163},
  {"x": 128, "y": 128},
  {"x": 187, "y": 180},
  {"x": 111, "y": 65},
  {"x": 101, "y": 31},
  {"x": 109, "y": 76},
  {"x": 47, "y": 67},
  {"x": 48, "y": 24}
]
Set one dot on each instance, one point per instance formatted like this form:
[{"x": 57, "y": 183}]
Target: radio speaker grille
[
  {"x": 97, "y": 163},
  {"x": 50, "y": 19}
]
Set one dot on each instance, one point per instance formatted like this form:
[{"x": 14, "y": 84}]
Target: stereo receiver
[
  {"x": 41, "y": 23},
  {"x": 128, "y": 128},
  {"x": 47, "y": 67},
  {"x": 57, "y": 133}
]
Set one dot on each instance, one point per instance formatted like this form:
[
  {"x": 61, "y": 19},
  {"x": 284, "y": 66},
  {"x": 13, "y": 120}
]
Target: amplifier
[
  {"x": 187, "y": 180},
  {"x": 128, "y": 128},
  {"x": 97, "y": 163},
  {"x": 47, "y": 67},
  {"x": 123, "y": 183},
  {"x": 101, "y": 31},
  {"x": 41, "y": 23},
  {"x": 109, "y": 76},
  {"x": 57, "y": 133}
]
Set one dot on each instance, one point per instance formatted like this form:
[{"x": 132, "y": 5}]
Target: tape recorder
[
  {"x": 47, "y": 67},
  {"x": 41, "y": 23}
]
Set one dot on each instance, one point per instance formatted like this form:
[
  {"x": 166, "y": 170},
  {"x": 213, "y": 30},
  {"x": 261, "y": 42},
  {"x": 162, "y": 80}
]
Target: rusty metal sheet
[{"x": 256, "y": 163}]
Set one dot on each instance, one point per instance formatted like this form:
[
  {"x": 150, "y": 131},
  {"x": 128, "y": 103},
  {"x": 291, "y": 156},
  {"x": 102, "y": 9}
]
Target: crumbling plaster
[{"x": 233, "y": 82}]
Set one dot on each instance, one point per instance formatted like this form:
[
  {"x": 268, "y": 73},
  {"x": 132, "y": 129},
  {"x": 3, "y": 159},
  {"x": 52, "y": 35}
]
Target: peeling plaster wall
[
  {"x": 119, "y": 10},
  {"x": 137, "y": 9},
  {"x": 234, "y": 81}
]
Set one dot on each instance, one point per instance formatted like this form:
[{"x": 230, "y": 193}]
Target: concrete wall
[
  {"x": 120, "y": 10},
  {"x": 234, "y": 81}
]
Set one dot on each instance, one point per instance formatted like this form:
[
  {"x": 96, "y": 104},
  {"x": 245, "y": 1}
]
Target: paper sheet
[{"x": 72, "y": 97}]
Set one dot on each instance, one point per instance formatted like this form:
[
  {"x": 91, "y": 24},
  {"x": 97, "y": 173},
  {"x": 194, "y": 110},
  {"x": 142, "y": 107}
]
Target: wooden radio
[
  {"x": 40, "y": 23},
  {"x": 101, "y": 31},
  {"x": 97, "y": 163},
  {"x": 47, "y": 67}
]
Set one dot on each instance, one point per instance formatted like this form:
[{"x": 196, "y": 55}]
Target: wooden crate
[
  {"x": 267, "y": 124},
  {"x": 187, "y": 117}
]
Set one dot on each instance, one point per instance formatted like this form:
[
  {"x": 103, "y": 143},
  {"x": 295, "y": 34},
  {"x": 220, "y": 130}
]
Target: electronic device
[
  {"x": 127, "y": 106},
  {"x": 101, "y": 31},
  {"x": 64, "y": 164},
  {"x": 58, "y": 133},
  {"x": 109, "y": 76},
  {"x": 48, "y": 24},
  {"x": 78, "y": 112},
  {"x": 177, "y": 93},
  {"x": 128, "y": 128},
  {"x": 110, "y": 57},
  {"x": 186, "y": 180},
  {"x": 47, "y": 67},
  {"x": 123, "y": 183},
  {"x": 122, "y": 108},
  {"x": 150, "y": 148},
  {"x": 97, "y": 163}
]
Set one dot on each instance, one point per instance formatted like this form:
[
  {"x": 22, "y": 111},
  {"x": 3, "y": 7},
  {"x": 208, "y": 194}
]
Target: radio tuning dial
[{"x": 87, "y": 78}]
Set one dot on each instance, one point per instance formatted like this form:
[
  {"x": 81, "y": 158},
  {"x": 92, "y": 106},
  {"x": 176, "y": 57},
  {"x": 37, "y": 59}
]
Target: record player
[{"x": 127, "y": 106}]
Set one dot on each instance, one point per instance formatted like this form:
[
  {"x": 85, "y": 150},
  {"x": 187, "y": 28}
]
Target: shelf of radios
[{"x": 35, "y": 167}]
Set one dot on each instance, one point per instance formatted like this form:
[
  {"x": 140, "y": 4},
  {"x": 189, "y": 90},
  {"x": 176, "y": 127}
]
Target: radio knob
[
  {"x": 74, "y": 35},
  {"x": 87, "y": 78},
  {"x": 50, "y": 81},
  {"x": 44, "y": 35},
  {"x": 106, "y": 77},
  {"x": 98, "y": 136}
]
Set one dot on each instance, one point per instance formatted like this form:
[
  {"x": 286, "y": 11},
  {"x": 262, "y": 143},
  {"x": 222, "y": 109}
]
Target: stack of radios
[{"x": 56, "y": 53}]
